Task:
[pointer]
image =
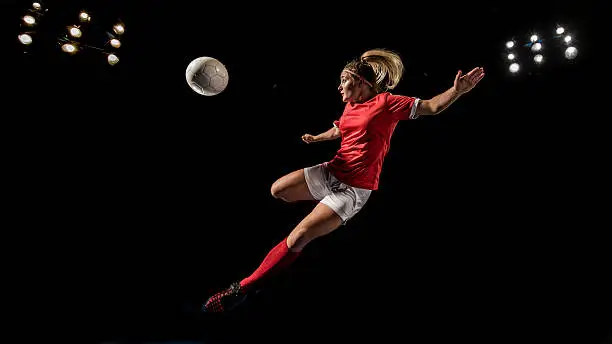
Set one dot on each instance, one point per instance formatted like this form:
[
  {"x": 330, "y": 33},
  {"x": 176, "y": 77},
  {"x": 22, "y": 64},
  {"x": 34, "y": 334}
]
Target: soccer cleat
[{"x": 225, "y": 300}]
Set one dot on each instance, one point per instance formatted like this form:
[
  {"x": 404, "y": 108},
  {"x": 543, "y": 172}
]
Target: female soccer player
[{"x": 342, "y": 186}]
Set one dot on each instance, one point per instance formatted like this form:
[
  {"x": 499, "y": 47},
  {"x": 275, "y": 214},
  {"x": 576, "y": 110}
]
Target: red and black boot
[{"x": 225, "y": 300}]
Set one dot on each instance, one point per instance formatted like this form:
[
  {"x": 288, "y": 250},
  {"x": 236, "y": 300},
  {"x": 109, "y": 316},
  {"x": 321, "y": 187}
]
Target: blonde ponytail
[{"x": 387, "y": 66}]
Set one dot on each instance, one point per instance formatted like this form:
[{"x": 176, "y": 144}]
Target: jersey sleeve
[
  {"x": 337, "y": 123},
  {"x": 402, "y": 107}
]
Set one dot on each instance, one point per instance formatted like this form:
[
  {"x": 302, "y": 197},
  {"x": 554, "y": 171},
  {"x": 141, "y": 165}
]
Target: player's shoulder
[
  {"x": 391, "y": 97},
  {"x": 382, "y": 97},
  {"x": 388, "y": 94}
]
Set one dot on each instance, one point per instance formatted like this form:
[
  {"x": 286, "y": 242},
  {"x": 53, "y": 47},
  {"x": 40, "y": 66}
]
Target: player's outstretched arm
[
  {"x": 331, "y": 134},
  {"x": 462, "y": 85}
]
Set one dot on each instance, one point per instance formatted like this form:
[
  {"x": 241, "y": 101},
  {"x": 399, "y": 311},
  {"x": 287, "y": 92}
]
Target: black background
[{"x": 130, "y": 198}]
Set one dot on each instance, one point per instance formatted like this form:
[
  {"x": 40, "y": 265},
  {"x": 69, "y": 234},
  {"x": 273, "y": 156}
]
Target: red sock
[{"x": 277, "y": 259}]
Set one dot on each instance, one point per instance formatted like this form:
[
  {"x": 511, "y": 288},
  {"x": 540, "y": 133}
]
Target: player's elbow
[{"x": 428, "y": 108}]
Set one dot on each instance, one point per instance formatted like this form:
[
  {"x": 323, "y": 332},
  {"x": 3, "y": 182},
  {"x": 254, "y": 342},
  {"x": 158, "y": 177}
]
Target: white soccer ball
[{"x": 207, "y": 76}]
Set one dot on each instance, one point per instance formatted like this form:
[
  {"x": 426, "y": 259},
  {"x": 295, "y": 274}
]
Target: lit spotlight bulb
[
  {"x": 69, "y": 48},
  {"x": 514, "y": 68},
  {"x": 84, "y": 17},
  {"x": 29, "y": 20},
  {"x": 571, "y": 52},
  {"x": 511, "y": 56},
  {"x": 509, "y": 44},
  {"x": 36, "y": 6},
  {"x": 75, "y": 32},
  {"x": 115, "y": 43},
  {"x": 119, "y": 29},
  {"x": 538, "y": 58},
  {"x": 25, "y": 39},
  {"x": 112, "y": 59},
  {"x": 536, "y": 47},
  {"x": 567, "y": 39},
  {"x": 560, "y": 30},
  {"x": 533, "y": 38}
]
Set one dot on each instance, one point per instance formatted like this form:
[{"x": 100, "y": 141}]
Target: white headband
[{"x": 359, "y": 76}]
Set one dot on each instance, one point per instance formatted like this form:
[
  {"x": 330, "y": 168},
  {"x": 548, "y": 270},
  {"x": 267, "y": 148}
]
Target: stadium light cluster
[
  {"x": 29, "y": 22},
  {"x": 70, "y": 41},
  {"x": 536, "y": 46}
]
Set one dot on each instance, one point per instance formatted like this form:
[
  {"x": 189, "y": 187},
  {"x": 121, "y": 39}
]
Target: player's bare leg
[
  {"x": 292, "y": 187},
  {"x": 321, "y": 221}
]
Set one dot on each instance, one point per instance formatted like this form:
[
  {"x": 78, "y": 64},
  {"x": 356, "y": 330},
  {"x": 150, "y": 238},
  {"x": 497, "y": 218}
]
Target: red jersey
[{"x": 366, "y": 131}]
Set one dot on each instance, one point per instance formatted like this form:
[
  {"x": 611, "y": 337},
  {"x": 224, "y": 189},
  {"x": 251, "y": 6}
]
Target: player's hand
[
  {"x": 464, "y": 83},
  {"x": 308, "y": 138}
]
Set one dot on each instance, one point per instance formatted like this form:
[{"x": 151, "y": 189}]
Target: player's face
[{"x": 347, "y": 87}]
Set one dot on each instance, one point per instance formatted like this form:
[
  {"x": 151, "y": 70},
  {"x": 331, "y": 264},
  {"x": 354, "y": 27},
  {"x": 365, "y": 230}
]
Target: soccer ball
[{"x": 207, "y": 76}]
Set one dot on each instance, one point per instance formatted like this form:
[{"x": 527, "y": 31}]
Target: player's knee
[
  {"x": 299, "y": 238},
  {"x": 279, "y": 192},
  {"x": 276, "y": 191}
]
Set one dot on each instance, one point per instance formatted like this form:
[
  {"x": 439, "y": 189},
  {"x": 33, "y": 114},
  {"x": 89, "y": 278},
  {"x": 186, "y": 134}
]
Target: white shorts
[{"x": 343, "y": 199}]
